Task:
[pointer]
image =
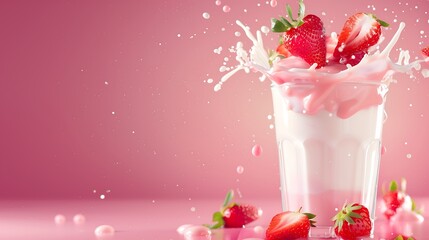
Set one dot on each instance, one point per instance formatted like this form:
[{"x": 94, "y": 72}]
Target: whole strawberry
[
  {"x": 360, "y": 32},
  {"x": 393, "y": 198},
  {"x": 303, "y": 37},
  {"x": 352, "y": 221},
  {"x": 290, "y": 225},
  {"x": 234, "y": 215}
]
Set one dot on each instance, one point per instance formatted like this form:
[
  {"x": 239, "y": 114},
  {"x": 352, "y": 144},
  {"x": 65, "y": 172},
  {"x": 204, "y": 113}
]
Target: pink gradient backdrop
[{"x": 105, "y": 95}]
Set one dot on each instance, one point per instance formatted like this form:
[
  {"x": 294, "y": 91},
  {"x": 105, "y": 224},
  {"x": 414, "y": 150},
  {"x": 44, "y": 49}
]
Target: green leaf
[
  {"x": 393, "y": 186},
  {"x": 301, "y": 10},
  {"x": 289, "y": 12},
  {"x": 310, "y": 215},
  {"x": 228, "y": 198},
  {"x": 218, "y": 220},
  {"x": 278, "y": 26},
  {"x": 382, "y": 23},
  {"x": 399, "y": 238}
]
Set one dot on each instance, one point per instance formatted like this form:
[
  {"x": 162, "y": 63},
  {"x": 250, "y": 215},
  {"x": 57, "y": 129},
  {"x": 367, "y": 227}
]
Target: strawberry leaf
[
  {"x": 393, "y": 186},
  {"x": 228, "y": 198},
  {"x": 218, "y": 221},
  {"x": 382, "y": 23},
  {"x": 278, "y": 26}
]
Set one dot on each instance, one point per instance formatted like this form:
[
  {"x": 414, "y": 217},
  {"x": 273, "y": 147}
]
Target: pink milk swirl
[
  {"x": 341, "y": 92},
  {"x": 340, "y": 89},
  {"x": 336, "y": 88}
]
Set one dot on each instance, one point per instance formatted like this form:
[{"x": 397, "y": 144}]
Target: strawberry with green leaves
[
  {"x": 352, "y": 221},
  {"x": 393, "y": 198},
  {"x": 303, "y": 37},
  {"x": 360, "y": 32},
  {"x": 234, "y": 215},
  {"x": 290, "y": 225}
]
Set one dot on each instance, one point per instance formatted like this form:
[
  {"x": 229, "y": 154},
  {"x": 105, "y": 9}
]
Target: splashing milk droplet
[
  {"x": 79, "y": 219},
  {"x": 197, "y": 233},
  {"x": 240, "y": 169},
  {"x": 104, "y": 231},
  {"x": 59, "y": 219},
  {"x": 256, "y": 150},
  {"x": 273, "y": 3},
  {"x": 226, "y": 8},
  {"x": 206, "y": 15}
]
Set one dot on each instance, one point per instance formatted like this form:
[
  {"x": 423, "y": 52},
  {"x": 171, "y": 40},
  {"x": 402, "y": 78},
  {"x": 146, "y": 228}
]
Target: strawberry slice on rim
[
  {"x": 425, "y": 51},
  {"x": 360, "y": 32}
]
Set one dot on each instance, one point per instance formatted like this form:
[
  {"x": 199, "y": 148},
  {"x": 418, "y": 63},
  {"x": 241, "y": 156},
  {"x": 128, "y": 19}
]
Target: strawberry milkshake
[{"x": 328, "y": 96}]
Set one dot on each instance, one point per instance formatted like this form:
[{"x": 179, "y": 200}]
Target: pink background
[{"x": 112, "y": 96}]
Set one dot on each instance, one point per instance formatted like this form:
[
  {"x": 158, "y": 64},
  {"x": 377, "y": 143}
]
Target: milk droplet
[
  {"x": 240, "y": 169},
  {"x": 102, "y": 196},
  {"x": 79, "y": 219},
  {"x": 210, "y": 80},
  {"x": 206, "y": 15},
  {"x": 273, "y": 3},
  {"x": 193, "y": 209},
  {"x": 218, "y": 2},
  {"x": 182, "y": 228},
  {"x": 409, "y": 156},
  {"x": 104, "y": 231},
  {"x": 265, "y": 29},
  {"x": 270, "y": 117},
  {"x": 256, "y": 150},
  {"x": 237, "y": 34},
  {"x": 226, "y": 8},
  {"x": 59, "y": 219},
  {"x": 197, "y": 233}
]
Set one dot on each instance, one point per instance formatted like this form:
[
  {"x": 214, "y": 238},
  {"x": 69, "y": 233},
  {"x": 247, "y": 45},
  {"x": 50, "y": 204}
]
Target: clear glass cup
[{"x": 328, "y": 158}]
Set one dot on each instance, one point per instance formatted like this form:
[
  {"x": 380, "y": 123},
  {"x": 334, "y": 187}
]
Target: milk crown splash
[{"x": 319, "y": 88}]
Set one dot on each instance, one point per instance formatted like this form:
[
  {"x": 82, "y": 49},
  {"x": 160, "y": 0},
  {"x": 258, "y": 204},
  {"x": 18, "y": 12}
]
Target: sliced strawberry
[
  {"x": 360, "y": 32},
  {"x": 352, "y": 221},
  {"x": 233, "y": 215},
  {"x": 303, "y": 37},
  {"x": 290, "y": 225},
  {"x": 425, "y": 51}
]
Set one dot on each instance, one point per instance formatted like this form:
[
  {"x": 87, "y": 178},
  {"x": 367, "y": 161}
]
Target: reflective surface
[{"x": 145, "y": 219}]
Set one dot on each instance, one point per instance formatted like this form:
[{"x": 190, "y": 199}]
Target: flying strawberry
[
  {"x": 233, "y": 215},
  {"x": 425, "y": 51},
  {"x": 393, "y": 198},
  {"x": 303, "y": 37},
  {"x": 360, "y": 32},
  {"x": 290, "y": 225},
  {"x": 352, "y": 221}
]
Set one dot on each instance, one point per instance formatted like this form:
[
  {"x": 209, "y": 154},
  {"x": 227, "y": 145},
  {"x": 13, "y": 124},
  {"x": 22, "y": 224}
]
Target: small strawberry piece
[
  {"x": 352, "y": 221},
  {"x": 360, "y": 32},
  {"x": 303, "y": 37},
  {"x": 281, "y": 49},
  {"x": 237, "y": 216},
  {"x": 290, "y": 225},
  {"x": 393, "y": 199},
  {"x": 425, "y": 51},
  {"x": 233, "y": 215}
]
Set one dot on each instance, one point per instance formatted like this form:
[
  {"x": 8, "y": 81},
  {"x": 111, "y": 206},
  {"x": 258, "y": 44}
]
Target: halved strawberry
[
  {"x": 290, "y": 225},
  {"x": 233, "y": 215},
  {"x": 393, "y": 198},
  {"x": 360, "y": 32},
  {"x": 352, "y": 221},
  {"x": 425, "y": 51},
  {"x": 303, "y": 37}
]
